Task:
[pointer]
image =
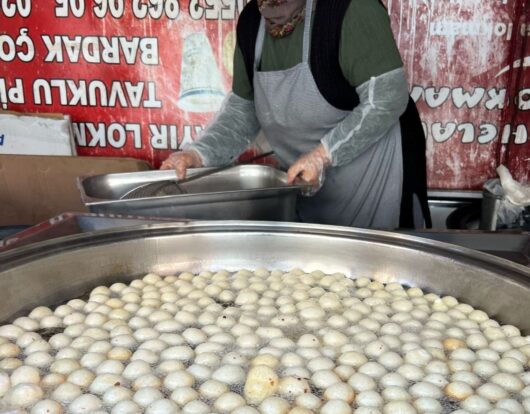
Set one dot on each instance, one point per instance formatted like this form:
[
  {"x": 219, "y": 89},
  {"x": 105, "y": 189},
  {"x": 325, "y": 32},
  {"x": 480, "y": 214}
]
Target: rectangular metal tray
[
  {"x": 245, "y": 192},
  {"x": 67, "y": 224},
  {"x": 510, "y": 245}
]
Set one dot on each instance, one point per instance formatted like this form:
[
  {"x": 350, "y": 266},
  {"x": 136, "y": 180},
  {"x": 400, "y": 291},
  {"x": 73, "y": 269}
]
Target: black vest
[{"x": 335, "y": 88}]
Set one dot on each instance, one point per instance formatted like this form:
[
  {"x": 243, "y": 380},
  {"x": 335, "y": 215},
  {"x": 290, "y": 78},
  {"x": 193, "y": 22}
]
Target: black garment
[{"x": 335, "y": 88}]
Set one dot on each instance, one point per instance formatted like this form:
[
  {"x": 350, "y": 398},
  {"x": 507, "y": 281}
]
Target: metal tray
[
  {"x": 245, "y": 192},
  {"x": 67, "y": 224},
  {"x": 509, "y": 244},
  {"x": 51, "y": 272}
]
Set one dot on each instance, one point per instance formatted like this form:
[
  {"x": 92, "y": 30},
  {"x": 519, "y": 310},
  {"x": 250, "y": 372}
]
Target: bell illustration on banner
[{"x": 201, "y": 86}]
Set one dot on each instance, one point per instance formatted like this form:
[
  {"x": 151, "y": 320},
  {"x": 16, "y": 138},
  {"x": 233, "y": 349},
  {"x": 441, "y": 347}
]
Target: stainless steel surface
[
  {"x": 490, "y": 209},
  {"x": 454, "y": 195},
  {"x": 245, "y": 192},
  {"x": 67, "y": 224},
  {"x": 442, "y": 209},
  {"x": 156, "y": 189},
  {"x": 174, "y": 187},
  {"x": 510, "y": 245},
  {"x": 51, "y": 272}
]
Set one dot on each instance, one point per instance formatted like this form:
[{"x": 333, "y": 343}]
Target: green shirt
[{"x": 367, "y": 48}]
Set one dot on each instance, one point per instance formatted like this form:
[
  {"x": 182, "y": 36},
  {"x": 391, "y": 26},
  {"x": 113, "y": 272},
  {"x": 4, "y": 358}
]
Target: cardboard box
[
  {"x": 35, "y": 188},
  {"x": 36, "y": 134}
]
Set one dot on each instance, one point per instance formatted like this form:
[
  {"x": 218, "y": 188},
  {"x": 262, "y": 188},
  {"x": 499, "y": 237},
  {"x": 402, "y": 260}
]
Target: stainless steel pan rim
[
  {"x": 268, "y": 191},
  {"x": 48, "y": 272},
  {"x": 193, "y": 197},
  {"x": 32, "y": 252}
]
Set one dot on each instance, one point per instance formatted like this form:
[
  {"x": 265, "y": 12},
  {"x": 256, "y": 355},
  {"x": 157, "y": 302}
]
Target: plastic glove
[
  {"x": 181, "y": 161},
  {"x": 310, "y": 168}
]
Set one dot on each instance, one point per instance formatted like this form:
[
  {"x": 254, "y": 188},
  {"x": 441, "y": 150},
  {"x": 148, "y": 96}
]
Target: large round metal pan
[{"x": 52, "y": 272}]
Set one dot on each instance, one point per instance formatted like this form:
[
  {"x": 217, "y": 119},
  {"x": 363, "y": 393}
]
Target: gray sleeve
[
  {"x": 228, "y": 136},
  {"x": 383, "y": 99}
]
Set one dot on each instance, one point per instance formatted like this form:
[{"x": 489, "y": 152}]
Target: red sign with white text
[{"x": 142, "y": 77}]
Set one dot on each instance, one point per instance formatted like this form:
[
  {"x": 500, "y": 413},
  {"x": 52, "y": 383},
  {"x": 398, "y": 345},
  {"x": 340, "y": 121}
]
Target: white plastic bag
[
  {"x": 514, "y": 191},
  {"x": 514, "y": 198}
]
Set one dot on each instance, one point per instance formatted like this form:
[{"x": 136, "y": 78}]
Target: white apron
[{"x": 295, "y": 117}]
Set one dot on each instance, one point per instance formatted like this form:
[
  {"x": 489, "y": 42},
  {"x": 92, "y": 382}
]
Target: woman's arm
[
  {"x": 234, "y": 129},
  {"x": 383, "y": 99}
]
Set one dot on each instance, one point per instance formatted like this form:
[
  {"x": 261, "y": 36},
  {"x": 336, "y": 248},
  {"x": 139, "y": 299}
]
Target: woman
[{"x": 325, "y": 83}]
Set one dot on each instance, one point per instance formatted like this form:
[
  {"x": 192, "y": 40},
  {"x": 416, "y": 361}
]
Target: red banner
[{"x": 141, "y": 77}]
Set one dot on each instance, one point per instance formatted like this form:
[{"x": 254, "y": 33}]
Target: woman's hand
[
  {"x": 182, "y": 160},
  {"x": 310, "y": 167}
]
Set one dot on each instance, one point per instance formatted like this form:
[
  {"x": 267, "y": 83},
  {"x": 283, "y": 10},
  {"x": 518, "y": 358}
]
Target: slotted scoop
[{"x": 172, "y": 187}]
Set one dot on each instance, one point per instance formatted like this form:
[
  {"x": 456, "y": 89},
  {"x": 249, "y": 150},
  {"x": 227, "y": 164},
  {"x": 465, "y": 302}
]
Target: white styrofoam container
[{"x": 35, "y": 135}]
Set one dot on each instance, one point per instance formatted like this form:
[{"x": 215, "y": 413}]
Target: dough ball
[
  {"x": 476, "y": 404},
  {"x": 213, "y": 389},
  {"x": 510, "y": 405},
  {"x": 228, "y": 402},
  {"x": 47, "y": 407},
  {"x": 390, "y": 360},
  {"x": 340, "y": 391},
  {"x": 425, "y": 389},
  {"x": 116, "y": 394},
  {"x": 110, "y": 366},
  {"x": 147, "y": 395},
  {"x": 105, "y": 381},
  {"x": 68, "y": 353},
  {"x": 336, "y": 407},
  {"x": 274, "y": 405},
  {"x": 162, "y": 406},
  {"x": 9, "y": 350},
  {"x": 324, "y": 378},
  {"x": 395, "y": 394},
  {"x": 401, "y": 407},
  {"x": 308, "y": 401},
  {"x": 369, "y": 399},
  {"x": 492, "y": 392},
  {"x": 23, "y": 395},
  {"x": 510, "y": 365},
  {"x": 183, "y": 395},
  {"x": 290, "y": 387},
  {"x": 148, "y": 380},
  {"x": 64, "y": 366},
  {"x": 484, "y": 368},
  {"x": 81, "y": 377},
  {"x": 344, "y": 372},
  {"x": 196, "y": 407},
  {"x": 261, "y": 383},
  {"x": 354, "y": 359},
  {"x": 91, "y": 360},
  {"x": 320, "y": 363},
  {"x": 428, "y": 405},
  {"x": 362, "y": 382},
  {"x": 59, "y": 341},
  {"x": 393, "y": 379},
  {"x": 229, "y": 374},
  {"x": 373, "y": 369},
  {"x": 466, "y": 377},
  {"x": 86, "y": 403},
  {"x": 66, "y": 393},
  {"x": 25, "y": 374},
  {"x": 178, "y": 379},
  {"x": 27, "y": 338}
]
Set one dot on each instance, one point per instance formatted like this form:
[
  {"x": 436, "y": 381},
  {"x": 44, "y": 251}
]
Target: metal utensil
[{"x": 172, "y": 187}]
